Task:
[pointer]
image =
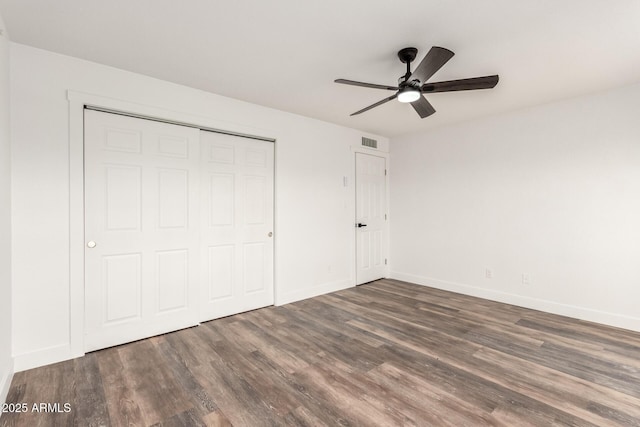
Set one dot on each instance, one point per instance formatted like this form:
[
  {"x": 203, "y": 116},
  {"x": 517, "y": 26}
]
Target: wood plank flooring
[{"x": 382, "y": 354}]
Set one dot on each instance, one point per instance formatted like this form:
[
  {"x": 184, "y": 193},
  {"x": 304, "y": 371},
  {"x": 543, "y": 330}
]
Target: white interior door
[
  {"x": 371, "y": 217},
  {"x": 141, "y": 228},
  {"x": 237, "y": 224}
]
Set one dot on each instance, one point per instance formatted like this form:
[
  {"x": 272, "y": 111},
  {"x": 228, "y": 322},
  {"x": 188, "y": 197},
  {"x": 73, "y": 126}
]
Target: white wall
[
  {"x": 314, "y": 212},
  {"x": 6, "y": 361},
  {"x": 551, "y": 191}
]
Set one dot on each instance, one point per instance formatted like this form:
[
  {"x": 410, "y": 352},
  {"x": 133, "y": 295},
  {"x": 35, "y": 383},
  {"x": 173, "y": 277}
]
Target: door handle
[{"x": 360, "y": 225}]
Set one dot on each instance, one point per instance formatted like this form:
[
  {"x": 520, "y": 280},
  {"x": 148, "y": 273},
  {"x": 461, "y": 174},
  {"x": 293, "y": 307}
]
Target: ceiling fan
[{"x": 412, "y": 86}]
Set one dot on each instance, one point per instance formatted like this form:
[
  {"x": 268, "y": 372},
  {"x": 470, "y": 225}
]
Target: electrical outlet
[
  {"x": 526, "y": 280},
  {"x": 488, "y": 273}
]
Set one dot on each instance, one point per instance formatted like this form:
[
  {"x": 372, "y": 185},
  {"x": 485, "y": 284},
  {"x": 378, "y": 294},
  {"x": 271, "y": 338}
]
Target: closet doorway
[{"x": 178, "y": 227}]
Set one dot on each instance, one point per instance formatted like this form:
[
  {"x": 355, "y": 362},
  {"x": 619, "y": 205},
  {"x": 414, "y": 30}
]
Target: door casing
[
  {"x": 385, "y": 247},
  {"x": 77, "y": 102}
]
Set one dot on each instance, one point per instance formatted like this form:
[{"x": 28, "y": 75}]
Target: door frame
[
  {"x": 354, "y": 242},
  {"x": 77, "y": 103}
]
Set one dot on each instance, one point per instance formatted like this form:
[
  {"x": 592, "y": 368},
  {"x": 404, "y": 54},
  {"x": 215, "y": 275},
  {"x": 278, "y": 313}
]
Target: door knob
[
  {"x": 360, "y": 225},
  {"x": 91, "y": 244},
  {"x": 270, "y": 234}
]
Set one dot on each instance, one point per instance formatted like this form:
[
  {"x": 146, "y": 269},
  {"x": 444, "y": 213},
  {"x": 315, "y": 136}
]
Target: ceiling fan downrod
[{"x": 406, "y": 56}]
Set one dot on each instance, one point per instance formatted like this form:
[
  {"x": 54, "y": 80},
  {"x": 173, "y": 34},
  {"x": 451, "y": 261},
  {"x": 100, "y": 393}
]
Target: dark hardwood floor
[{"x": 383, "y": 354}]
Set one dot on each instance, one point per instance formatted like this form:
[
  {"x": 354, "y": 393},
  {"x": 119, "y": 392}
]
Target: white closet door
[
  {"x": 141, "y": 228},
  {"x": 371, "y": 209},
  {"x": 237, "y": 225}
]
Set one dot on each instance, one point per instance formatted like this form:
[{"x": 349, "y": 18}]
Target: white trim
[
  {"x": 130, "y": 107},
  {"x": 5, "y": 382},
  {"x": 582, "y": 313},
  {"x": 370, "y": 151},
  {"x": 173, "y": 122},
  {"x": 276, "y": 228},
  {"x": 45, "y": 356},
  {"x": 322, "y": 289},
  {"x": 77, "y": 102},
  {"x": 76, "y": 227}
]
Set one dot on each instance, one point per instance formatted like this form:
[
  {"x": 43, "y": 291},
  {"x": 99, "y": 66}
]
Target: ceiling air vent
[{"x": 368, "y": 142}]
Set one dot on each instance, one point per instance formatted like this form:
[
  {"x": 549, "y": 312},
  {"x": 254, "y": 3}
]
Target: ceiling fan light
[{"x": 408, "y": 95}]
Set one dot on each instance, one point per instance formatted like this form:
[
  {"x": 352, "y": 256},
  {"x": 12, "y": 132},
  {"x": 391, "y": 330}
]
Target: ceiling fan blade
[
  {"x": 435, "y": 59},
  {"x": 376, "y": 104},
  {"x": 371, "y": 85},
  {"x": 423, "y": 107},
  {"x": 486, "y": 82}
]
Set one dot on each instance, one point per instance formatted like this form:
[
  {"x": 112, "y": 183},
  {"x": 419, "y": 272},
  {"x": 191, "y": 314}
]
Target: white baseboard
[
  {"x": 45, "y": 356},
  {"x": 603, "y": 317},
  {"x": 60, "y": 353},
  {"x": 5, "y": 382},
  {"x": 322, "y": 289}
]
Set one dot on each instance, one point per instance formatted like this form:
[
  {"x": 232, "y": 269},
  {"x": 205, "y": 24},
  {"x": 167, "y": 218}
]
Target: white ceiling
[{"x": 285, "y": 54}]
